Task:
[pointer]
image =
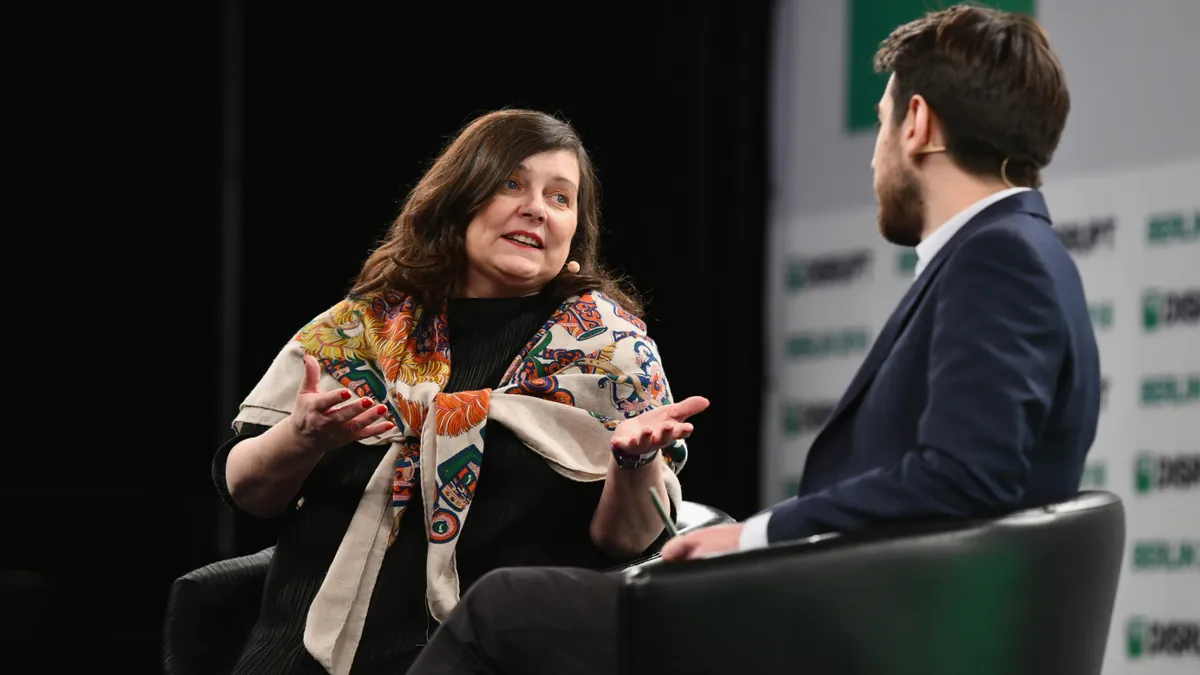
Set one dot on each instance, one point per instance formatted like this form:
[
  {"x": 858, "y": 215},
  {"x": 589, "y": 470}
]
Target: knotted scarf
[{"x": 589, "y": 367}]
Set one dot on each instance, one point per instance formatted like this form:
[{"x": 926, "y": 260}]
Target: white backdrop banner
[
  {"x": 1136, "y": 238},
  {"x": 1124, "y": 192}
]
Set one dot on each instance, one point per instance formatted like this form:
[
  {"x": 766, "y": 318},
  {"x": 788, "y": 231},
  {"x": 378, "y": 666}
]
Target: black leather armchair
[
  {"x": 1029, "y": 593},
  {"x": 210, "y": 611}
]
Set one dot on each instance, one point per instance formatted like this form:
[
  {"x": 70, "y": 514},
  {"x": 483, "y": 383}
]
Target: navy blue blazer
[{"x": 980, "y": 396}]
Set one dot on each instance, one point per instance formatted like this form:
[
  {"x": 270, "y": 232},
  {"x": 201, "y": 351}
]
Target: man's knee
[
  {"x": 497, "y": 588},
  {"x": 514, "y": 597}
]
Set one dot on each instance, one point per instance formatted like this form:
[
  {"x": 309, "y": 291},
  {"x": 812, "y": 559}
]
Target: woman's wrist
[{"x": 627, "y": 459}]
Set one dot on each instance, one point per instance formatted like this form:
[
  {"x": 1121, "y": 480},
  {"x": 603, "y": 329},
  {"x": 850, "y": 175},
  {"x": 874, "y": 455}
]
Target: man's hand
[{"x": 703, "y": 542}]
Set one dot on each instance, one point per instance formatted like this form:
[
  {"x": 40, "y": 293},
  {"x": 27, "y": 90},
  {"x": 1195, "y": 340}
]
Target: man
[{"x": 982, "y": 392}]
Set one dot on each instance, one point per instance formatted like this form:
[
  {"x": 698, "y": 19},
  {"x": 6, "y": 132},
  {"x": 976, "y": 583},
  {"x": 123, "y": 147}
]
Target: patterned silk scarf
[{"x": 589, "y": 367}]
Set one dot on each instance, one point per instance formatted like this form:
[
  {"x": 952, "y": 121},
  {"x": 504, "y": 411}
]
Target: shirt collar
[{"x": 929, "y": 247}]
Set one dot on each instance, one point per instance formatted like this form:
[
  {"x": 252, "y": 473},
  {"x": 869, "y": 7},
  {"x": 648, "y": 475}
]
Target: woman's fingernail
[
  {"x": 345, "y": 394},
  {"x": 381, "y": 410},
  {"x": 366, "y": 403}
]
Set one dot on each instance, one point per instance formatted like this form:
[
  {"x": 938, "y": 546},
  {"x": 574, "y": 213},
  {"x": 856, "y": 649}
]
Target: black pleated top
[{"x": 523, "y": 513}]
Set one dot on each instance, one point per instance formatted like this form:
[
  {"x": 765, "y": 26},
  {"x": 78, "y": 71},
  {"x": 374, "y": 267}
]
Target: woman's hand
[
  {"x": 658, "y": 428},
  {"x": 320, "y": 425},
  {"x": 626, "y": 522}
]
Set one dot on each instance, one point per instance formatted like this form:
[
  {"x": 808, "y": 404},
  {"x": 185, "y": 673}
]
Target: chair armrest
[
  {"x": 210, "y": 613},
  {"x": 692, "y": 516},
  {"x": 762, "y": 611},
  {"x": 633, "y": 565},
  {"x": 1029, "y": 593}
]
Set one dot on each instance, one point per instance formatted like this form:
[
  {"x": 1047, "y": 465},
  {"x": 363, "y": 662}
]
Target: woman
[{"x": 373, "y": 447}]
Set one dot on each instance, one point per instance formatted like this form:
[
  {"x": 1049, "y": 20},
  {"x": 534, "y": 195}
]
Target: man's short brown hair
[{"x": 992, "y": 80}]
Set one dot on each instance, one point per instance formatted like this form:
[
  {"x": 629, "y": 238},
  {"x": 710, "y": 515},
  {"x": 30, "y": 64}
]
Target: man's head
[{"x": 981, "y": 86}]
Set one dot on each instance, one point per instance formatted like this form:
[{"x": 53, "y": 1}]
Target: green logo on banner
[
  {"x": 1160, "y": 554},
  {"x": 1102, "y": 315},
  {"x": 1163, "y": 309},
  {"x": 799, "y": 418},
  {"x": 822, "y": 344},
  {"x": 1160, "y": 390},
  {"x": 1135, "y": 632},
  {"x": 1095, "y": 476},
  {"x": 1082, "y": 238},
  {"x": 1152, "y": 311},
  {"x": 1145, "y": 638},
  {"x": 906, "y": 263},
  {"x": 791, "y": 487},
  {"x": 1173, "y": 228},
  {"x": 869, "y": 22},
  {"x": 1153, "y": 472},
  {"x": 829, "y": 270}
]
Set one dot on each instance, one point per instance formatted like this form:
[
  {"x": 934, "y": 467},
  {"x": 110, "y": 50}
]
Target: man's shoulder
[
  {"x": 1021, "y": 239},
  {"x": 1018, "y": 225},
  {"x": 1019, "y": 259}
]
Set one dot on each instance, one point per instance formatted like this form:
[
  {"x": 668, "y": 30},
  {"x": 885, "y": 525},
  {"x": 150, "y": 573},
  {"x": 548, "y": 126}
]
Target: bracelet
[{"x": 628, "y": 461}]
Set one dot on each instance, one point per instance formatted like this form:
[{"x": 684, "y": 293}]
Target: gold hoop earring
[{"x": 1004, "y": 173}]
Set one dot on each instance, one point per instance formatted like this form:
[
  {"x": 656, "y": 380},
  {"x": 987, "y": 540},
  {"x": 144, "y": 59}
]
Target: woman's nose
[{"x": 535, "y": 209}]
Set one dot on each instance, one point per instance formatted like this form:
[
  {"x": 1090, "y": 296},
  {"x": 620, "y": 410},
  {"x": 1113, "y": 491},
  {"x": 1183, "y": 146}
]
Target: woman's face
[{"x": 519, "y": 240}]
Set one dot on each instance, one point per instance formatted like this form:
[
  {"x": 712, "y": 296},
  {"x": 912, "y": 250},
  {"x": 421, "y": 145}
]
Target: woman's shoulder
[
  {"x": 606, "y": 303},
  {"x": 353, "y": 309},
  {"x": 382, "y": 299},
  {"x": 360, "y": 326}
]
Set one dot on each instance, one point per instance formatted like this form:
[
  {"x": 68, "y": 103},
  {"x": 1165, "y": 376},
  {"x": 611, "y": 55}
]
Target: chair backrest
[
  {"x": 1030, "y": 593},
  {"x": 210, "y": 613}
]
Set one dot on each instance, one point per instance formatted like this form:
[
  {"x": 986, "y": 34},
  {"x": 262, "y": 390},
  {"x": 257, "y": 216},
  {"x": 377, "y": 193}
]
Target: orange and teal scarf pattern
[{"x": 589, "y": 367}]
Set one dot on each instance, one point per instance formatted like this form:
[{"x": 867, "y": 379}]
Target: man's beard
[{"x": 902, "y": 209}]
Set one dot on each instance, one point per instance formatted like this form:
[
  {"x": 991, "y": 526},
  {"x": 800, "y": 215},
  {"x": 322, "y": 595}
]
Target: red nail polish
[
  {"x": 345, "y": 394},
  {"x": 381, "y": 410},
  {"x": 366, "y": 403}
]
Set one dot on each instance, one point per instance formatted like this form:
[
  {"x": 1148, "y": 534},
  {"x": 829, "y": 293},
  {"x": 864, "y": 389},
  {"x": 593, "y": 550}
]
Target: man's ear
[{"x": 921, "y": 132}]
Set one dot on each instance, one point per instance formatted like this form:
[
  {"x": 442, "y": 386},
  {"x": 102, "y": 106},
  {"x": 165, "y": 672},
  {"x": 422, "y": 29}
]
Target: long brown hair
[{"x": 424, "y": 252}]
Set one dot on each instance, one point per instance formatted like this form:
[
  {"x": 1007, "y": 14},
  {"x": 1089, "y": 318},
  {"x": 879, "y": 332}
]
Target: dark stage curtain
[
  {"x": 342, "y": 116},
  {"x": 111, "y": 242},
  {"x": 119, "y": 212}
]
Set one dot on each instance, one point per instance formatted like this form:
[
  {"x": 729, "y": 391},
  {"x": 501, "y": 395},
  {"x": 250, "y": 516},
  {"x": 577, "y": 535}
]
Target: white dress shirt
[
  {"x": 754, "y": 530},
  {"x": 929, "y": 247}
]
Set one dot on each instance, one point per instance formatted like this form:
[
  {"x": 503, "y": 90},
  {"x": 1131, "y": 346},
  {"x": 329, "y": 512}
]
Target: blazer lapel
[
  {"x": 1030, "y": 202},
  {"x": 883, "y": 344}
]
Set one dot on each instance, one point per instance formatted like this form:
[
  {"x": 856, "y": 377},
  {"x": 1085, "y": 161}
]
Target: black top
[{"x": 523, "y": 513}]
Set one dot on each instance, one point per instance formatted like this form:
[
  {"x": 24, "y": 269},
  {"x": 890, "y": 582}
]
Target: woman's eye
[
  {"x": 511, "y": 184},
  {"x": 561, "y": 199}
]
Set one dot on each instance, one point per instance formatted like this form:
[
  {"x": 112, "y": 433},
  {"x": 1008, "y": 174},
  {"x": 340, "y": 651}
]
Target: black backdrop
[{"x": 115, "y": 244}]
